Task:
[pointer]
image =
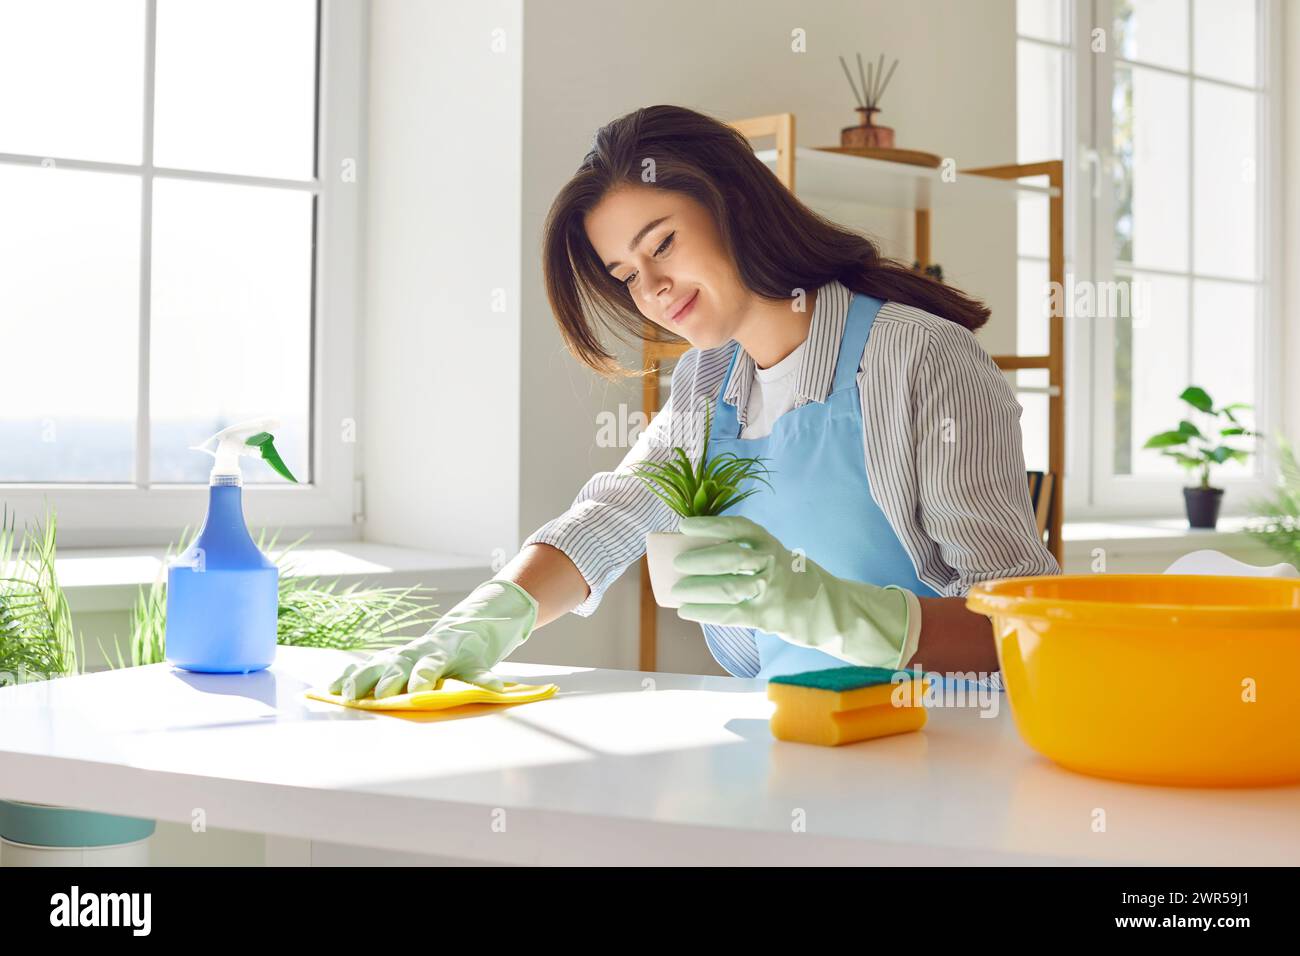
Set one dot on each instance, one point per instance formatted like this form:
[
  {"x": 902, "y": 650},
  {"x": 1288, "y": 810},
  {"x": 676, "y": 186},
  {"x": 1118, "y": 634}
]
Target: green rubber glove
[
  {"x": 750, "y": 579},
  {"x": 465, "y": 643}
]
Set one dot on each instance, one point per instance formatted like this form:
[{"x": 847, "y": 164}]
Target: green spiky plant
[
  {"x": 711, "y": 488},
  {"x": 149, "y": 616},
  {"x": 311, "y": 613},
  {"x": 1278, "y": 524},
  {"x": 37, "y": 641},
  {"x": 316, "y": 614},
  {"x": 1192, "y": 448}
]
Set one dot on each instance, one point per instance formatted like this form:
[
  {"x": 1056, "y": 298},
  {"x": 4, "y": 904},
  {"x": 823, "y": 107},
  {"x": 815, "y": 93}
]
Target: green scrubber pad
[{"x": 839, "y": 678}]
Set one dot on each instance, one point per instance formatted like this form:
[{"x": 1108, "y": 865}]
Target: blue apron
[{"x": 820, "y": 501}]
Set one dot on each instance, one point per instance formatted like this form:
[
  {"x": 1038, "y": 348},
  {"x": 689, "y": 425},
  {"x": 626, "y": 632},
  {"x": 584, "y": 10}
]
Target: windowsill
[
  {"x": 1158, "y": 541},
  {"x": 1132, "y": 529},
  {"x": 108, "y": 579}
]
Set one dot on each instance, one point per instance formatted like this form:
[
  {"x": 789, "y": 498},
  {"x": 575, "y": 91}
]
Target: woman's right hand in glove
[{"x": 465, "y": 643}]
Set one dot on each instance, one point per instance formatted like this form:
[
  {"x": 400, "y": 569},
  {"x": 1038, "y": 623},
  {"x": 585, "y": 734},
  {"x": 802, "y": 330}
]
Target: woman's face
[{"x": 666, "y": 249}]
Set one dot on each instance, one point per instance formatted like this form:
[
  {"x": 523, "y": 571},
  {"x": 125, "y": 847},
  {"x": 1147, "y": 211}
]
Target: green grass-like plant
[
  {"x": 311, "y": 613},
  {"x": 37, "y": 641},
  {"x": 711, "y": 488},
  {"x": 316, "y": 614},
  {"x": 149, "y": 616},
  {"x": 1278, "y": 524}
]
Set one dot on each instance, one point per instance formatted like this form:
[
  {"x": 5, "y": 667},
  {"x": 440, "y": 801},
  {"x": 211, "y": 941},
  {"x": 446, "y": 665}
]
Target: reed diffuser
[{"x": 874, "y": 80}]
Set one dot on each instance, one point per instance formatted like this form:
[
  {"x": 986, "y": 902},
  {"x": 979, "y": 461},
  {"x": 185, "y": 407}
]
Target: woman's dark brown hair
[{"x": 778, "y": 244}]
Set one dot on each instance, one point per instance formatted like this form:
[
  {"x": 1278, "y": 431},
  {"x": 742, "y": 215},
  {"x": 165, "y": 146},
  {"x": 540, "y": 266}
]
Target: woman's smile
[{"x": 677, "y": 313}]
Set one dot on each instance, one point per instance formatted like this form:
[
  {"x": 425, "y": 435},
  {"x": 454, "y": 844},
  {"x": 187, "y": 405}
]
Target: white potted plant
[{"x": 692, "y": 491}]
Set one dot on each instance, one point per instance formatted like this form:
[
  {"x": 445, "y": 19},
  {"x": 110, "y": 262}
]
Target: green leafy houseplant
[
  {"x": 1196, "y": 449},
  {"x": 689, "y": 490}
]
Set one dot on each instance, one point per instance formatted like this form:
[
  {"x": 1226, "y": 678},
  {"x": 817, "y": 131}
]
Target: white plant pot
[
  {"x": 121, "y": 854},
  {"x": 661, "y": 547}
]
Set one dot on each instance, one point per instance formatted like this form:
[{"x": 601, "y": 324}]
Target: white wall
[
  {"x": 439, "y": 435},
  {"x": 1290, "y": 211},
  {"x": 586, "y": 62}
]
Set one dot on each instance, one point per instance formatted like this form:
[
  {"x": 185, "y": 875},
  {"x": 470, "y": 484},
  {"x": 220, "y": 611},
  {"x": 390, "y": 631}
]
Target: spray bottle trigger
[{"x": 263, "y": 441}]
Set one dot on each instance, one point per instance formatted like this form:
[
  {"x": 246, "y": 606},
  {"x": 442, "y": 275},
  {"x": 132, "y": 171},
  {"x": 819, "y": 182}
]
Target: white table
[{"x": 620, "y": 767}]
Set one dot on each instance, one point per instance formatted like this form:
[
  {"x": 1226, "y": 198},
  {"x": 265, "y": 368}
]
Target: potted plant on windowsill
[
  {"x": 692, "y": 491},
  {"x": 1196, "y": 450}
]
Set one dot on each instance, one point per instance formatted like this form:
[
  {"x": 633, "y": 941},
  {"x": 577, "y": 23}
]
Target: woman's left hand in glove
[{"x": 750, "y": 579}]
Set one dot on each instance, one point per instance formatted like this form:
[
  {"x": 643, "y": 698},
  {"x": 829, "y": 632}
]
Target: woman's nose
[{"x": 660, "y": 289}]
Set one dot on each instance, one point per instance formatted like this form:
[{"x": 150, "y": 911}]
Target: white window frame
[
  {"x": 1076, "y": 183},
  {"x": 1107, "y": 495},
  {"x": 91, "y": 514}
]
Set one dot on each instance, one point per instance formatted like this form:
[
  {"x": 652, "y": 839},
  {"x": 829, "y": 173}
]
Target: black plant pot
[{"x": 1202, "y": 506}]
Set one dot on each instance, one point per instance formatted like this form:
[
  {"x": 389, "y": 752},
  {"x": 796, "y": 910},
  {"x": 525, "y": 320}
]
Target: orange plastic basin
[{"x": 1180, "y": 679}]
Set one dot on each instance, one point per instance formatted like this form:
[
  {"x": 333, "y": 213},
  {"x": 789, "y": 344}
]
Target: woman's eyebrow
[{"x": 610, "y": 266}]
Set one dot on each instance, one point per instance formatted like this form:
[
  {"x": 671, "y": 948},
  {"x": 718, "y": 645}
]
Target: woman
[{"x": 897, "y": 475}]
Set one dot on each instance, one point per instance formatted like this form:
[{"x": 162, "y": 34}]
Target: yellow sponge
[{"x": 841, "y": 705}]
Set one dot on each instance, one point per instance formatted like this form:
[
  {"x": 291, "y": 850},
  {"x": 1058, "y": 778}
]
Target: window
[
  {"x": 1044, "y": 91},
  {"x": 1168, "y": 105},
  {"x": 164, "y": 242}
]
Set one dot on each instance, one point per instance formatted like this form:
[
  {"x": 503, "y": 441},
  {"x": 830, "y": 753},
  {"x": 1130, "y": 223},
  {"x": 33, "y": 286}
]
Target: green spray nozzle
[
  {"x": 265, "y": 442},
  {"x": 247, "y": 438}
]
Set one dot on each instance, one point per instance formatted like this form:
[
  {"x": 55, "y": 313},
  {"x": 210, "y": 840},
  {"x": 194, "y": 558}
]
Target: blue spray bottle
[{"x": 222, "y": 592}]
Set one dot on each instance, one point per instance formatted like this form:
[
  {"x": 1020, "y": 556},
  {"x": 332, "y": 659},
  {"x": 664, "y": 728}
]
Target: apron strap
[
  {"x": 853, "y": 341},
  {"x": 857, "y": 326},
  {"x": 726, "y": 419}
]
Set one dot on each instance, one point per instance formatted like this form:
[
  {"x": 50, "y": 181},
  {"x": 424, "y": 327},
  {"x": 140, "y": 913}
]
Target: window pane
[
  {"x": 236, "y": 86},
  {"x": 1152, "y": 31},
  {"x": 1033, "y": 418},
  {"x": 1032, "y": 339},
  {"x": 1151, "y": 168},
  {"x": 1224, "y": 39},
  {"x": 1040, "y": 99},
  {"x": 72, "y": 78},
  {"x": 231, "y": 329},
  {"x": 1044, "y": 19},
  {"x": 1032, "y": 225},
  {"x": 1033, "y": 308},
  {"x": 1151, "y": 370},
  {"x": 69, "y": 315},
  {"x": 1223, "y": 355},
  {"x": 1225, "y": 174}
]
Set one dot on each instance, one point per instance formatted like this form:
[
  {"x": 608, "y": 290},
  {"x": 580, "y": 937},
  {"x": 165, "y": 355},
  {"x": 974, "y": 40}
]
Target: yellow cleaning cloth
[{"x": 449, "y": 693}]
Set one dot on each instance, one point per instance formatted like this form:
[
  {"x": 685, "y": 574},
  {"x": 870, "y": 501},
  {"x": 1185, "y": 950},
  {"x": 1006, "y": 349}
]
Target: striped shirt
[{"x": 941, "y": 428}]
